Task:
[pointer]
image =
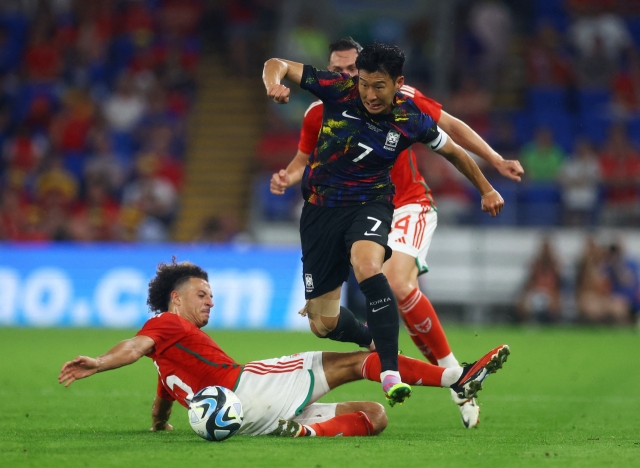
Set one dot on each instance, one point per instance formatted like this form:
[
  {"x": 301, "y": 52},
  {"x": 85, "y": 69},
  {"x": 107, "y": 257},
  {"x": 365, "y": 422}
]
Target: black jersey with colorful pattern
[{"x": 356, "y": 150}]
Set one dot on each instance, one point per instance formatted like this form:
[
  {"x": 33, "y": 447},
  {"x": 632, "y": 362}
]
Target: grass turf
[{"x": 566, "y": 397}]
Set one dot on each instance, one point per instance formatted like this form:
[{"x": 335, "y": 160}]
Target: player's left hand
[
  {"x": 511, "y": 169},
  {"x": 492, "y": 202},
  {"x": 279, "y": 93}
]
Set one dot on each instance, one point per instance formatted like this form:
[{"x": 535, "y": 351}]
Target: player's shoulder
[
  {"x": 164, "y": 318},
  {"x": 424, "y": 103},
  {"x": 314, "y": 108}
]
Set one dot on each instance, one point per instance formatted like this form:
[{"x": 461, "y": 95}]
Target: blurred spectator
[
  {"x": 542, "y": 158},
  {"x": 471, "y": 103},
  {"x": 540, "y": 299},
  {"x": 580, "y": 179},
  {"x": 103, "y": 163},
  {"x": 548, "y": 63},
  {"x": 308, "y": 43},
  {"x": 607, "y": 27},
  {"x": 220, "y": 229},
  {"x": 491, "y": 23},
  {"x": 597, "y": 303},
  {"x": 23, "y": 152},
  {"x": 624, "y": 276},
  {"x": 620, "y": 169},
  {"x": 626, "y": 86},
  {"x": 596, "y": 68},
  {"x": 124, "y": 109},
  {"x": 95, "y": 218}
]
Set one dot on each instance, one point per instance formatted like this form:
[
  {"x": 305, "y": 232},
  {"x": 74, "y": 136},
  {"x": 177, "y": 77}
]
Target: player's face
[
  {"x": 195, "y": 302},
  {"x": 343, "y": 61},
  {"x": 377, "y": 90}
]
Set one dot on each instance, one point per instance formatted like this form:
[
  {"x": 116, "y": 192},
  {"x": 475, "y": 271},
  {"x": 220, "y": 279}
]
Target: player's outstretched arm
[
  {"x": 285, "y": 178},
  {"x": 466, "y": 137},
  {"x": 124, "y": 353},
  {"x": 160, "y": 414},
  {"x": 492, "y": 202},
  {"x": 274, "y": 71}
]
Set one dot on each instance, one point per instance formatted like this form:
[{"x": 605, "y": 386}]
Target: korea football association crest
[
  {"x": 393, "y": 138},
  {"x": 308, "y": 282}
]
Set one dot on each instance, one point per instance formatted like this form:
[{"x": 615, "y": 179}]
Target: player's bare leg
[
  {"x": 328, "y": 319},
  {"x": 423, "y": 325}
]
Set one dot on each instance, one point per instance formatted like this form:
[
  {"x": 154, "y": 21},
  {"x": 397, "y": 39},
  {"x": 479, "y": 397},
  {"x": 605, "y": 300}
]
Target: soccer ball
[{"x": 215, "y": 413}]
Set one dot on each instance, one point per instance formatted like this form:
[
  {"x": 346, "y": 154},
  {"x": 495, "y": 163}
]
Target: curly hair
[
  {"x": 383, "y": 58},
  {"x": 170, "y": 277}
]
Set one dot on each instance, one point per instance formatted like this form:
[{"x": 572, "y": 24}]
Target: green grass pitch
[{"x": 566, "y": 397}]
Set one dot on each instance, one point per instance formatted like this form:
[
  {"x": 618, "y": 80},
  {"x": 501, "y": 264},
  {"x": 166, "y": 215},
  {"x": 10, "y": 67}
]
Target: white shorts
[
  {"x": 283, "y": 388},
  {"x": 412, "y": 228}
]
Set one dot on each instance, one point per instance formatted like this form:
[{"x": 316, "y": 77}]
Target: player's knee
[
  {"x": 322, "y": 314},
  {"x": 365, "y": 270},
  {"x": 378, "y": 417}
]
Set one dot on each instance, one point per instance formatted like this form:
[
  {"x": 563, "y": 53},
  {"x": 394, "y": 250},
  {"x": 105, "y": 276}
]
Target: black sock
[
  {"x": 382, "y": 319},
  {"x": 350, "y": 330}
]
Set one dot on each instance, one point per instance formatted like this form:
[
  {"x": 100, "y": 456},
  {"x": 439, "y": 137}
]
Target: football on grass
[{"x": 215, "y": 413}]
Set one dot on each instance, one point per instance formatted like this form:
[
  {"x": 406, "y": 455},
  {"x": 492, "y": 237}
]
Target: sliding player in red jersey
[
  {"x": 279, "y": 395},
  {"x": 413, "y": 225}
]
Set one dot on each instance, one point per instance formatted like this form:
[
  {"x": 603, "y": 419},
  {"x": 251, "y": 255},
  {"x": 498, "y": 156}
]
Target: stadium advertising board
[{"x": 106, "y": 285}]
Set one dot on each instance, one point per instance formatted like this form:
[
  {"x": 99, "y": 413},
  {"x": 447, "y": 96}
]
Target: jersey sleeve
[
  {"x": 310, "y": 128},
  {"x": 328, "y": 86},
  {"x": 164, "y": 329},
  {"x": 430, "y": 134},
  {"x": 428, "y": 106},
  {"x": 162, "y": 392}
]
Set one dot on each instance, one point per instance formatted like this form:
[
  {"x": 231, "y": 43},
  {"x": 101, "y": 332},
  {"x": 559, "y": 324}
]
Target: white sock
[
  {"x": 389, "y": 373},
  {"x": 448, "y": 361},
  {"x": 450, "y": 376}
]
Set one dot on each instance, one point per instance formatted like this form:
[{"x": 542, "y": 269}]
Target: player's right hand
[
  {"x": 79, "y": 368},
  {"x": 279, "y": 93},
  {"x": 492, "y": 202},
  {"x": 279, "y": 182}
]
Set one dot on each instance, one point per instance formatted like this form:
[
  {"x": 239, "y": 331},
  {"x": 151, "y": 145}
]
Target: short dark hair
[
  {"x": 346, "y": 43},
  {"x": 170, "y": 277},
  {"x": 385, "y": 58}
]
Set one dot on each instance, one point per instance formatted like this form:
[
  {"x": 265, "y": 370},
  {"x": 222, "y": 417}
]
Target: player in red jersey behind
[
  {"x": 278, "y": 395},
  {"x": 414, "y": 219}
]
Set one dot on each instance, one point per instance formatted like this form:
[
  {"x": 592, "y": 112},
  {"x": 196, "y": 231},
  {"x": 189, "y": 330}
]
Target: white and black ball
[{"x": 215, "y": 413}]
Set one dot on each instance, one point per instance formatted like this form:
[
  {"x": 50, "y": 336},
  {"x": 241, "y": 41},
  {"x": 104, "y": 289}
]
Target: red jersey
[
  {"x": 410, "y": 185},
  {"x": 187, "y": 358}
]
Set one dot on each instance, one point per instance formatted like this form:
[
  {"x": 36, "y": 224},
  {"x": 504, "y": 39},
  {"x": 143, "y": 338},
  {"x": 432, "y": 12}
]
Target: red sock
[
  {"x": 350, "y": 424},
  {"x": 412, "y": 371},
  {"x": 422, "y": 318},
  {"x": 423, "y": 348}
]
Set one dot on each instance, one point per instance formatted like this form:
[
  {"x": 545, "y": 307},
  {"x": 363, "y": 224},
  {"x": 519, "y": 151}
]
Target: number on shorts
[
  {"x": 375, "y": 226},
  {"x": 403, "y": 223},
  {"x": 367, "y": 150}
]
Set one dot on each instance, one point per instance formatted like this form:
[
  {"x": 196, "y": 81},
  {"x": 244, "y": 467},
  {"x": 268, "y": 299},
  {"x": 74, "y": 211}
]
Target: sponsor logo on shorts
[
  {"x": 393, "y": 138},
  {"x": 308, "y": 282}
]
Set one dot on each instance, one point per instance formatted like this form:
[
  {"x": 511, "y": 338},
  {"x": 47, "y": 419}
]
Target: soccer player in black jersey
[{"x": 348, "y": 192}]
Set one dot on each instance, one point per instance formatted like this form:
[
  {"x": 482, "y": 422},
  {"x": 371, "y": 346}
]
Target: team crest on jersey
[
  {"x": 308, "y": 282},
  {"x": 393, "y": 138}
]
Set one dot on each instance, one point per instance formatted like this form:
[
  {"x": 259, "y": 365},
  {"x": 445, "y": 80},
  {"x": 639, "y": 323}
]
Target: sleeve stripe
[{"x": 313, "y": 104}]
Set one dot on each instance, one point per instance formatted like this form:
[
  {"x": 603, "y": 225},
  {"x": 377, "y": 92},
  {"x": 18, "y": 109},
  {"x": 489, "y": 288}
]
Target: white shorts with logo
[
  {"x": 283, "y": 388},
  {"x": 412, "y": 228}
]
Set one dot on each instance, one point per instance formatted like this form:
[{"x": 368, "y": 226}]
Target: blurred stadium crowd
[
  {"x": 94, "y": 97},
  {"x": 553, "y": 83}
]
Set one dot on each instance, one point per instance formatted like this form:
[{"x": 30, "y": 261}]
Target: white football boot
[{"x": 469, "y": 410}]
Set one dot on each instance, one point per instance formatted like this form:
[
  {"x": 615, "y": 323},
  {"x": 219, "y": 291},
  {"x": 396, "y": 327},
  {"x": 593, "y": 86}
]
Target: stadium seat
[
  {"x": 547, "y": 99},
  {"x": 634, "y": 28},
  {"x": 539, "y": 205},
  {"x": 594, "y": 126},
  {"x": 594, "y": 100},
  {"x": 522, "y": 126},
  {"x": 634, "y": 130}
]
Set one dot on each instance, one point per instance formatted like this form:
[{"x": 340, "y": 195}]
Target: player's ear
[{"x": 399, "y": 82}]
